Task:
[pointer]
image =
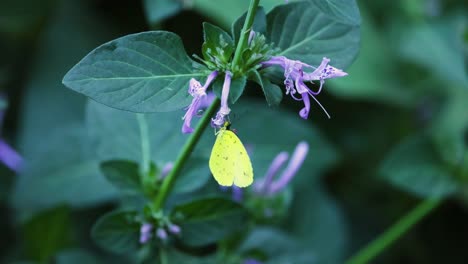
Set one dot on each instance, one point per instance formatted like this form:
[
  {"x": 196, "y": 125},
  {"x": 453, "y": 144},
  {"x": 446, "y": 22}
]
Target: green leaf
[
  {"x": 277, "y": 247},
  {"x": 236, "y": 90},
  {"x": 117, "y": 232},
  {"x": 208, "y": 220},
  {"x": 144, "y": 72},
  {"x": 344, "y": 11},
  {"x": 303, "y": 32},
  {"x": 444, "y": 57},
  {"x": 123, "y": 174},
  {"x": 46, "y": 233},
  {"x": 174, "y": 256},
  {"x": 322, "y": 229},
  {"x": 259, "y": 24},
  {"x": 158, "y": 10},
  {"x": 165, "y": 141},
  {"x": 272, "y": 92},
  {"x": 64, "y": 172},
  {"x": 368, "y": 77},
  {"x": 414, "y": 166},
  {"x": 218, "y": 46}
]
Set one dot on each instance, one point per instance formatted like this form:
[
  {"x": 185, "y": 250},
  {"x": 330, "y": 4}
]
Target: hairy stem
[
  {"x": 244, "y": 37},
  {"x": 184, "y": 155},
  {"x": 386, "y": 239}
]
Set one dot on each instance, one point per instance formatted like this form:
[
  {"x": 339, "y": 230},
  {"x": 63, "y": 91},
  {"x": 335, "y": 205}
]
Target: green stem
[
  {"x": 184, "y": 154},
  {"x": 145, "y": 145},
  {"x": 386, "y": 239},
  {"x": 244, "y": 37},
  {"x": 163, "y": 256}
]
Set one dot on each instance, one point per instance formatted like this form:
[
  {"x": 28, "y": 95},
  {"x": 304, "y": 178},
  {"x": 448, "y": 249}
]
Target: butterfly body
[{"x": 229, "y": 161}]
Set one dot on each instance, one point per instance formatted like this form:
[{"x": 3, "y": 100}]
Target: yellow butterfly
[{"x": 229, "y": 161}]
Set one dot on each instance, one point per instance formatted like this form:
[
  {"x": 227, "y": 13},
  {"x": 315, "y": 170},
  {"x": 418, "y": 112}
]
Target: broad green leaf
[
  {"x": 445, "y": 54},
  {"x": 158, "y": 10},
  {"x": 116, "y": 135},
  {"x": 277, "y": 247},
  {"x": 208, "y": 220},
  {"x": 321, "y": 230},
  {"x": 414, "y": 166},
  {"x": 174, "y": 256},
  {"x": 144, "y": 72},
  {"x": 236, "y": 90},
  {"x": 345, "y": 11},
  {"x": 46, "y": 233},
  {"x": 117, "y": 232},
  {"x": 65, "y": 172},
  {"x": 272, "y": 92},
  {"x": 259, "y": 24},
  {"x": 50, "y": 137},
  {"x": 125, "y": 175},
  {"x": 303, "y": 32},
  {"x": 368, "y": 77}
]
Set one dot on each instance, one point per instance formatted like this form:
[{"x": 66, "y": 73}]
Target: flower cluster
[
  {"x": 295, "y": 76},
  {"x": 146, "y": 232}
]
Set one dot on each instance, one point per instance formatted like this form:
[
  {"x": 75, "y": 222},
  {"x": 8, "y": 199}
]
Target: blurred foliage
[{"x": 399, "y": 132}]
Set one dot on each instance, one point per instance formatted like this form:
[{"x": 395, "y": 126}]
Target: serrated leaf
[
  {"x": 273, "y": 93},
  {"x": 144, "y": 72},
  {"x": 259, "y": 24},
  {"x": 208, "y": 220},
  {"x": 218, "y": 46},
  {"x": 303, "y": 32},
  {"x": 117, "y": 232},
  {"x": 345, "y": 11},
  {"x": 236, "y": 90},
  {"x": 414, "y": 166}
]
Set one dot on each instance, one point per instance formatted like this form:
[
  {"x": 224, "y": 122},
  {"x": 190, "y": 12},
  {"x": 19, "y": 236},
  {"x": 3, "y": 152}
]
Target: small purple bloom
[
  {"x": 252, "y": 261},
  {"x": 161, "y": 234},
  {"x": 165, "y": 170},
  {"x": 10, "y": 157},
  {"x": 174, "y": 229},
  {"x": 224, "y": 110},
  {"x": 295, "y": 163},
  {"x": 270, "y": 187},
  {"x": 145, "y": 232},
  {"x": 198, "y": 92},
  {"x": 295, "y": 77},
  {"x": 276, "y": 164},
  {"x": 237, "y": 193}
]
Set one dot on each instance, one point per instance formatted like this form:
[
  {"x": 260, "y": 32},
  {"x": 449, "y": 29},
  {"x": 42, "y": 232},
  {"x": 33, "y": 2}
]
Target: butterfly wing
[{"x": 229, "y": 161}]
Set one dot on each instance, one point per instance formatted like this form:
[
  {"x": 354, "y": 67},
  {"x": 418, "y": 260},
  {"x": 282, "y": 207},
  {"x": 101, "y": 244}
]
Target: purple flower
[
  {"x": 145, "y": 232},
  {"x": 198, "y": 92},
  {"x": 237, "y": 193},
  {"x": 10, "y": 157},
  {"x": 252, "y": 261},
  {"x": 270, "y": 187},
  {"x": 174, "y": 229},
  {"x": 161, "y": 234},
  {"x": 224, "y": 110},
  {"x": 295, "y": 77}
]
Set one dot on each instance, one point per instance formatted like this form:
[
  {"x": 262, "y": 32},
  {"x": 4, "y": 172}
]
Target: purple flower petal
[
  {"x": 10, "y": 157},
  {"x": 262, "y": 186},
  {"x": 295, "y": 163},
  {"x": 224, "y": 110}
]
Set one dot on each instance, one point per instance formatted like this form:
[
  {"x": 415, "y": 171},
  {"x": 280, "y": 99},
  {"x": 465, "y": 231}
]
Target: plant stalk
[
  {"x": 392, "y": 234},
  {"x": 184, "y": 154},
  {"x": 244, "y": 36}
]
